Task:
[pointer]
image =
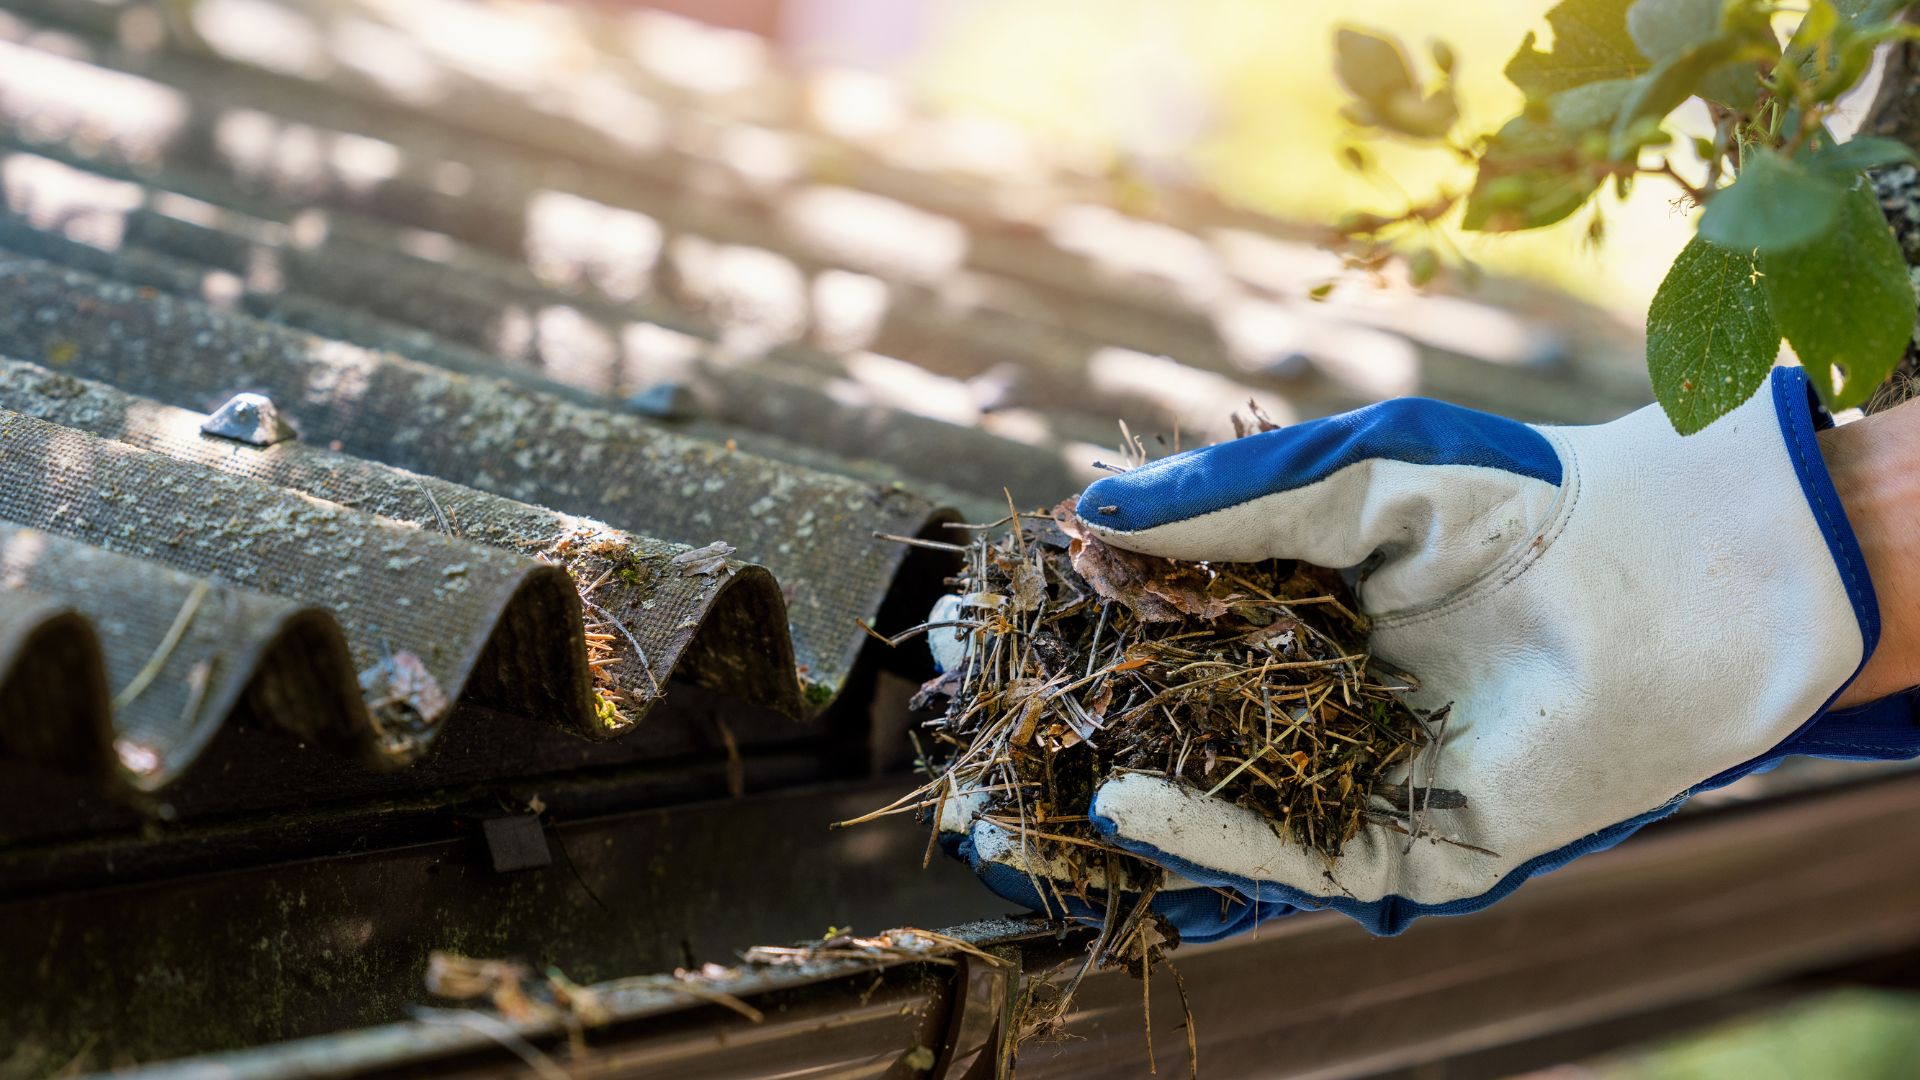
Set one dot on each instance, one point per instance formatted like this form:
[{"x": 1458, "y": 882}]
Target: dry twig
[{"x": 1249, "y": 682}]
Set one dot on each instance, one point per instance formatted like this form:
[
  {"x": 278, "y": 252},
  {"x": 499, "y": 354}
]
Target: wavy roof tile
[{"x": 541, "y": 319}]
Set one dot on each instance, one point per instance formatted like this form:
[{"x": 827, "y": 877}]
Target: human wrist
[{"x": 1873, "y": 463}]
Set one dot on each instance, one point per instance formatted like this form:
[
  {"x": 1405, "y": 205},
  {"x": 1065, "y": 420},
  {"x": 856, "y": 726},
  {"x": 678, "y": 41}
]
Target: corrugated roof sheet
[
  {"x": 547, "y": 303},
  {"x": 370, "y": 532}
]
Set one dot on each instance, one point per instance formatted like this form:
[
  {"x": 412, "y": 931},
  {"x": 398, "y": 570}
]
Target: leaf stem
[
  {"x": 1666, "y": 169},
  {"x": 1722, "y": 135}
]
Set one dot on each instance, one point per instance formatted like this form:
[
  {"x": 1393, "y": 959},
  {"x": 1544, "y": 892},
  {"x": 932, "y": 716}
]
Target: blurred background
[{"x": 1236, "y": 97}]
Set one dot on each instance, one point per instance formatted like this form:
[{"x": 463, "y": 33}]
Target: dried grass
[{"x": 1250, "y": 682}]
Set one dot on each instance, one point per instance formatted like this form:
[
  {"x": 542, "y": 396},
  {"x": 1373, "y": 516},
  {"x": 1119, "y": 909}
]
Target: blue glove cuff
[{"x": 1414, "y": 430}]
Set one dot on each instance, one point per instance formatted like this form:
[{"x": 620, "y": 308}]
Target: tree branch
[{"x": 1895, "y": 114}]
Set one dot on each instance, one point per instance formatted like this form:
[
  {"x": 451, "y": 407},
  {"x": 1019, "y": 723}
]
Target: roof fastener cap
[{"x": 249, "y": 418}]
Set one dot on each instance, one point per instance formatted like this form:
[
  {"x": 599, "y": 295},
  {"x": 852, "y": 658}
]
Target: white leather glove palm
[{"x": 1617, "y": 616}]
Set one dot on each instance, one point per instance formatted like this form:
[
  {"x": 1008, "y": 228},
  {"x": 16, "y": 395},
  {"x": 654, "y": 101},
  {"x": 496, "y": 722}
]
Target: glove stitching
[
  {"x": 1503, "y": 575},
  {"x": 1815, "y": 749}
]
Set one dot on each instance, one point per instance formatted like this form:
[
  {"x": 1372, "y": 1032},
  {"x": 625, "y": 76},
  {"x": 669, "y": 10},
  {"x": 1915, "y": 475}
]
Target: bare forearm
[{"x": 1875, "y": 465}]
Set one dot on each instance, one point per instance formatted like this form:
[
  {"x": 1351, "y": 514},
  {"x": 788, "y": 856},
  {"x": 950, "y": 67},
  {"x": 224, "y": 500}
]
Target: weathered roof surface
[
  {"x": 540, "y": 318},
  {"x": 493, "y": 434},
  {"x": 409, "y": 565}
]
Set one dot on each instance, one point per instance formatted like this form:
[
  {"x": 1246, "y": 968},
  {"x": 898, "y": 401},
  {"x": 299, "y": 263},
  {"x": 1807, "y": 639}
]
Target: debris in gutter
[
  {"x": 403, "y": 700},
  {"x": 1081, "y": 661},
  {"x": 812, "y": 690},
  {"x": 501, "y": 983},
  {"x": 511, "y": 990},
  {"x": 155, "y": 663},
  {"x": 706, "y": 561},
  {"x": 900, "y": 943},
  {"x": 596, "y": 557},
  {"x": 508, "y": 987}
]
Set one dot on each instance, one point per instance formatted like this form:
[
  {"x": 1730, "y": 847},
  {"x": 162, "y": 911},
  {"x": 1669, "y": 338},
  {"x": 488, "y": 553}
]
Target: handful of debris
[{"x": 1250, "y": 682}]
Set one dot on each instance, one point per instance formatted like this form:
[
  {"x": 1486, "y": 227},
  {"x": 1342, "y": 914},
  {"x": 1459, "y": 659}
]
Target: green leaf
[
  {"x": 1675, "y": 79},
  {"x": 1856, "y": 11},
  {"x": 1849, "y": 67},
  {"x": 1859, "y": 153},
  {"x": 1827, "y": 55},
  {"x": 1532, "y": 174},
  {"x": 1817, "y": 25},
  {"x": 1421, "y": 268},
  {"x": 1710, "y": 335},
  {"x": 1376, "y": 69},
  {"x": 1844, "y": 302},
  {"x": 1590, "y": 107},
  {"x": 1538, "y": 168},
  {"x": 1590, "y": 43},
  {"x": 1777, "y": 204},
  {"x": 1865, "y": 12},
  {"x": 1664, "y": 29},
  {"x": 1372, "y": 66}
]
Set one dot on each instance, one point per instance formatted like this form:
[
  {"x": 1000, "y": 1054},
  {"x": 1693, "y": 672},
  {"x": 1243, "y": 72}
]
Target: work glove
[
  {"x": 1027, "y": 875},
  {"x": 1614, "y": 617}
]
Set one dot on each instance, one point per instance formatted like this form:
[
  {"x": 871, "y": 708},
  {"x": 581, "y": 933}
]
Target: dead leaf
[
  {"x": 1028, "y": 693},
  {"x": 1029, "y": 586},
  {"x": 943, "y": 684},
  {"x": 705, "y": 561},
  {"x": 465, "y": 978},
  {"x": 1190, "y": 600},
  {"x": 401, "y": 693},
  {"x": 1096, "y": 705},
  {"x": 1259, "y": 423},
  {"x": 1277, "y": 637},
  {"x": 1154, "y": 589}
]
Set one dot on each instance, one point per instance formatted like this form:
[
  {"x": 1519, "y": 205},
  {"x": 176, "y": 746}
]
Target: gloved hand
[
  {"x": 1618, "y": 617},
  {"x": 1025, "y": 875}
]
